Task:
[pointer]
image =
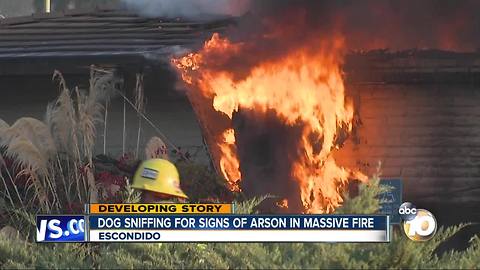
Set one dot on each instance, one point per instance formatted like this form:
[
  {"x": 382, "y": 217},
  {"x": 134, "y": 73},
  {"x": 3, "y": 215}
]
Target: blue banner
[
  {"x": 239, "y": 222},
  {"x": 60, "y": 228}
]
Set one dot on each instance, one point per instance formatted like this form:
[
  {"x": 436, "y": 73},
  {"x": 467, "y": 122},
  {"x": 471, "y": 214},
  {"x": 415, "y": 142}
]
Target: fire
[
  {"x": 304, "y": 88},
  {"x": 229, "y": 163},
  {"x": 283, "y": 203}
]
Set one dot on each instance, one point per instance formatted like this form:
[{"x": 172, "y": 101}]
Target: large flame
[
  {"x": 229, "y": 163},
  {"x": 304, "y": 88}
]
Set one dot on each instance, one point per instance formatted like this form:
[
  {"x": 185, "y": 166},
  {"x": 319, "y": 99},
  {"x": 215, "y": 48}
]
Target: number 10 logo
[{"x": 422, "y": 227}]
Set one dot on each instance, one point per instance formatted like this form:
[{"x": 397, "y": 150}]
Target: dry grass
[
  {"x": 54, "y": 158},
  {"x": 32, "y": 130},
  {"x": 139, "y": 93},
  {"x": 104, "y": 85},
  {"x": 31, "y": 164},
  {"x": 27, "y": 156},
  {"x": 3, "y": 125},
  {"x": 60, "y": 117},
  {"x": 139, "y": 107},
  {"x": 53, "y": 170},
  {"x": 29, "y": 143},
  {"x": 156, "y": 148}
]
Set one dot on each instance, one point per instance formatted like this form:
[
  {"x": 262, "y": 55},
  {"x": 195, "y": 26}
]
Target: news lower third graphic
[
  {"x": 165, "y": 208},
  {"x": 418, "y": 224},
  {"x": 205, "y": 223},
  {"x": 238, "y": 228},
  {"x": 61, "y": 228}
]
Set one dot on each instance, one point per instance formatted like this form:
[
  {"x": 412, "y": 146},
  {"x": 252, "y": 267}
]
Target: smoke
[
  {"x": 193, "y": 9},
  {"x": 272, "y": 28},
  {"x": 366, "y": 24},
  {"x": 373, "y": 24}
]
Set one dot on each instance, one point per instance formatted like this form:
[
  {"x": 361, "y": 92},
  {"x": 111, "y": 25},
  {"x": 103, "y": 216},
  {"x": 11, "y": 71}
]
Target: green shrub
[
  {"x": 21, "y": 255},
  {"x": 200, "y": 183},
  {"x": 399, "y": 253}
]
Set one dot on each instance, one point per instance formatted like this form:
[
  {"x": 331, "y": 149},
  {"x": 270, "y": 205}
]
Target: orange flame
[
  {"x": 302, "y": 87},
  {"x": 229, "y": 163},
  {"x": 283, "y": 203}
]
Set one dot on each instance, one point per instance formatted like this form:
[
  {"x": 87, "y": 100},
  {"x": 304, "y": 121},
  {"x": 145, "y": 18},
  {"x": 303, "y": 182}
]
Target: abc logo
[{"x": 418, "y": 224}]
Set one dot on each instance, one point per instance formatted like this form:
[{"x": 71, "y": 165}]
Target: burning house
[
  {"x": 293, "y": 105},
  {"x": 412, "y": 112},
  {"x": 299, "y": 114}
]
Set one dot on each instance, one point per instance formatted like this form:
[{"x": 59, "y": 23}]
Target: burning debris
[{"x": 302, "y": 94}]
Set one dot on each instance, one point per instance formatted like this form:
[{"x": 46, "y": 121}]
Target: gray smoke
[
  {"x": 366, "y": 24},
  {"x": 373, "y": 24},
  {"x": 193, "y": 9}
]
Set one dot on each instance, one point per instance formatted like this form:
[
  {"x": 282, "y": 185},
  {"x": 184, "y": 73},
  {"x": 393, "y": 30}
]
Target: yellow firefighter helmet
[{"x": 158, "y": 175}]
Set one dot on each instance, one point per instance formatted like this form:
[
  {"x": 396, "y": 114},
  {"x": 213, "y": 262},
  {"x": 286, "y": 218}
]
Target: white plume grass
[
  {"x": 156, "y": 148},
  {"x": 53, "y": 165}
]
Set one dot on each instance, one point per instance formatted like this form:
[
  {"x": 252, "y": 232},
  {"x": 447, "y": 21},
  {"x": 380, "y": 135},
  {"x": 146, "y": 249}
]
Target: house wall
[
  {"x": 14, "y": 8},
  {"x": 24, "y": 96},
  {"x": 9, "y": 8},
  {"x": 427, "y": 135}
]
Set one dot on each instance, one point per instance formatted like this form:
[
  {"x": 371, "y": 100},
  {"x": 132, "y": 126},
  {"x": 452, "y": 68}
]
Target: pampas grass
[
  {"x": 54, "y": 157},
  {"x": 31, "y": 164},
  {"x": 103, "y": 86},
  {"x": 89, "y": 113},
  {"x": 29, "y": 143},
  {"x": 156, "y": 148},
  {"x": 33, "y": 130},
  {"x": 73, "y": 120},
  {"x": 27, "y": 156},
  {"x": 3, "y": 126},
  {"x": 139, "y": 107},
  {"x": 4, "y": 171},
  {"x": 60, "y": 117},
  {"x": 77, "y": 127}
]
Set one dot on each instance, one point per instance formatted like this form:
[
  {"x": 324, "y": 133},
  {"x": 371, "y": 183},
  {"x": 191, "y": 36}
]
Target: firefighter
[{"x": 159, "y": 181}]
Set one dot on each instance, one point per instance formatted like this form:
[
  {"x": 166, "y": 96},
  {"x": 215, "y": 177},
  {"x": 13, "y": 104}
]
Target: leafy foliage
[
  {"x": 200, "y": 183},
  {"x": 21, "y": 255},
  {"x": 366, "y": 202},
  {"x": 400, "y": 253}
]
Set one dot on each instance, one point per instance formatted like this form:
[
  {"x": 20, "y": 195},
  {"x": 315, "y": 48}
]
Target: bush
[
  {"x": 400, "y": 253},
  {"x": 21, "y": 255},
  {"x": 202, "y": 184}
]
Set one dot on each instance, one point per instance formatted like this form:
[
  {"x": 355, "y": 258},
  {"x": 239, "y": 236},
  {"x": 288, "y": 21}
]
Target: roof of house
[
  {"x": 98, "y": 33},
  {"x": 413, "y": 66},
  {"x": 40, "y": 42}
]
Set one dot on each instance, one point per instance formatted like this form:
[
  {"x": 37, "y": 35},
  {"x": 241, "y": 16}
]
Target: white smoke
[{"x": 188, "y": 8}]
